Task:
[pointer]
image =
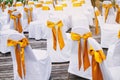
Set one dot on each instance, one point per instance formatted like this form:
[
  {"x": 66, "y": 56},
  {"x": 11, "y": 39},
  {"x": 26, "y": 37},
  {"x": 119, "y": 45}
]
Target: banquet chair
[
  {"x": 109, "y": 32},
  {"x": 10, "y": 10},
  {"x": 113, "y": 61},
  {"x": 15, "y": 21},
  {"x": 86, "y": 56},
  {"x": 27, "y": 17},
  {"x": 28, "y": 63},
  {"x": 39, "y": 24},
  {"x": 58, "y": 45},
  {"x": 108, "y": 12}
]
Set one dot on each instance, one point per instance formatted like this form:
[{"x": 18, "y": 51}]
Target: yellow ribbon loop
[
  {"x": 45, "y": 8},
  {"x": 30, "y": 3},
  {"x": 97, "y": 58},
  {"x": 48, "y": 2},
  {"x": 19, "y": 53},
  {"x": 78, "y": 37},
  {"x": 73, "y": 1},
  {"x": 57, "y": 34},
  {"x": 119, "y": 34},
  {"x": 82, "y": 1},
  {"x": 107, "y": 8},
  {"x": 58, "y": 8},
  {"x": 118, "y": 14},
  {"x": 64, "y": 4},
  {"x": 97, "y": 13},
  {"x": 3, "y": 6},
  {"x": 19, "y": 4},
  {"x": 38, "y": 5},
  {"x": 29, "y": 13},
  {"x": 77, "y": 4},
  {"x": 17, "y": 24}
]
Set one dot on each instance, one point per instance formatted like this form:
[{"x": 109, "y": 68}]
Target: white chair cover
[
  {"x": 37, "y": 62},
  {"x": 58, "y": 55},
  {"x": 73, "y": 66},
  {"x": 4, "y": 34},
  {"x": 109, "y": 32},
  {"x": 113, "y": 61},
  {"x": 111, "y": 14}
]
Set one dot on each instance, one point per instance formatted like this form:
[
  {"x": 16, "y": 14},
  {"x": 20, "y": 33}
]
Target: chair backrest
[
  {"x": 99, "y": 17},
  {"x": 111, "y": 11},
  {"x": 80, "y": 21},
  {"x": 28, "y": 53},
  {"x": 113, "y": 55}
]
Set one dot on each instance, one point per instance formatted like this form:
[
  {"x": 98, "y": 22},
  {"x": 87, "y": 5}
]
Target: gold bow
[
  {"x": 77, "y": 4},
  {"x": 97, "y": 58},
  {"x": 97, "y": 13},
  {"x": 29, "y": 16},
  {"x": 119, "y": 34},
  {"x": 58, "y": 8},
  {"x": 3, "y": 6},
  {"x": 18, "y": 25},
  {"x": 82, "y": 1},
  {"x": 38, "y": 5},
  {"x": 56, "y": 34},
  {"x": 19, "y": 4},
  {"x": 118, "y": 14},
  {"x": 107, "y": 8},
  {"x": 45, "y": 8},
  {"x": 64, "y": 4},
  {"x": 78, "y": 37},
  {"x": 73, "y": 1},
  {"x": 19, "y": 53},
  {"x": 10, "y": 11},
  {"x": 30, "y": 3},
  {"x": 48, "y": 2}
]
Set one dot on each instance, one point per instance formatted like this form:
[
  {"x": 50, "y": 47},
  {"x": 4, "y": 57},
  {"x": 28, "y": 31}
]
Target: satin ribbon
[
  {"x": 9, "y": 4},
  {"x": 39, "y": 5},
  {"x": 78, "y": 37},
  {"x": 45, "y": 8},
  {"x": 73, "y": 1},
  {"x": 97, "y": 57},
  {"x": 58, "y": 8},
  {"x": 19, "y": 53},
  {"x": 64, "y": 4},
  {"x": 118, "y": 14},
  {"x": 119, "y": 34},
  {"x": 17, "y": 24},
  {"x": 30, "y": 3},
  {"x": 29, "y": 13},
  {"x": 48, "y": 2},
  {"x": 19, "y": 4},
  {"x": 57, "y": 34},
  {"x": 77, "y": 4},
  {"x": 82, "y": 1},
  {"x": 10, "y": 11},
  {"x": 3, "y": 6},
  {"x": 97, "y": 13},
  {"x": 107, "y": 8}
]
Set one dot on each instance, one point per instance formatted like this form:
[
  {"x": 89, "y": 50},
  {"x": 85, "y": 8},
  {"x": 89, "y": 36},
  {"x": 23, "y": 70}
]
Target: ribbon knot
[
  {"x": 17, "y": 25},
  {"x": 78, "y": 37},
  {"x": 57, "y": 34},
  {"x": 19, "y": 53},
  {"x": 29, "y": 13},
  {"x": 118, "y": 14},
  {"x": 97, "y": 57},
  {"x": 107, "y": 8}
]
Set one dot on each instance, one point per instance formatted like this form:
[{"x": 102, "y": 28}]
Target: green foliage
[{"x": 8, "y": 1}]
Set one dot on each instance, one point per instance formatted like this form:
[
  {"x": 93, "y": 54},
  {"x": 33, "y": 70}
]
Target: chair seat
[{"x": 40, "y": 54}]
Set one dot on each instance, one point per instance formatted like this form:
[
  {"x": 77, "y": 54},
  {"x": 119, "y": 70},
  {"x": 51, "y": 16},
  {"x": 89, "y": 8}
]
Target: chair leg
[{"x": 68, "y": 76}]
